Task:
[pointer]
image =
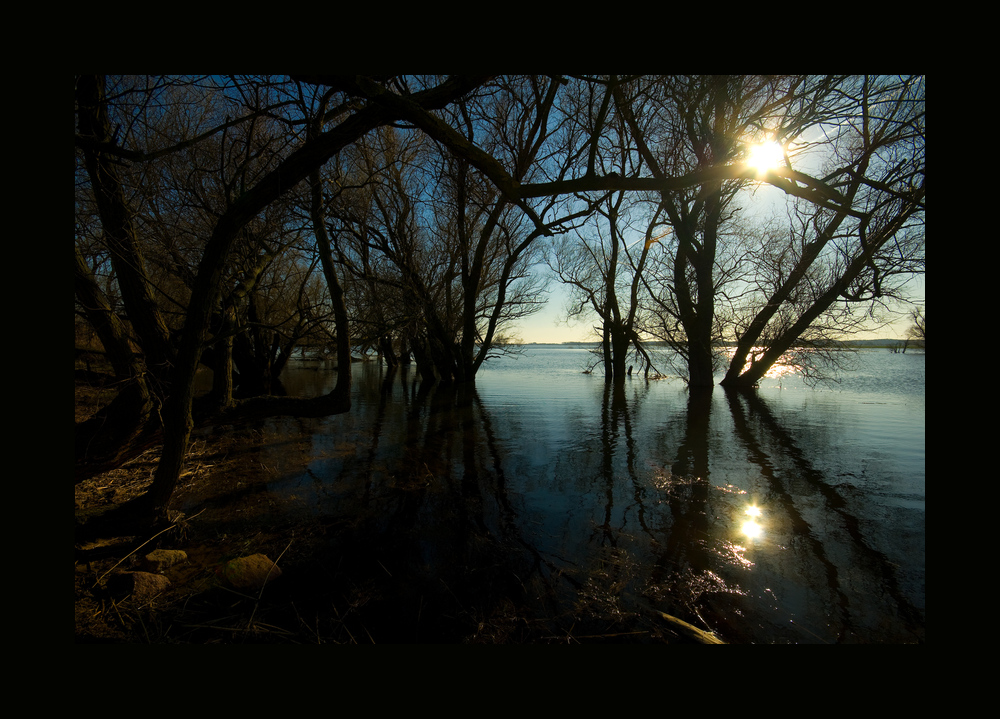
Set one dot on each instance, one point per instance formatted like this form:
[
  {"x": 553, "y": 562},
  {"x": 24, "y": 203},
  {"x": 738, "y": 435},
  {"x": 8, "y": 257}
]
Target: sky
[{"x": 549, "y": 325}]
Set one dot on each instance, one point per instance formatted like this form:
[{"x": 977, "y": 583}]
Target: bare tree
[
  {"x": 191, "y": 180},
  {"x": 441, "y": 236},
  {"x": 916, "y": 331},
  {"x": 685, "y": 125},
  {"x": 838, "y": 260},
  {"x": 605, "y": 265},
  {"x": 98, "y": 144},
  {"x": 858, "y": 235}
]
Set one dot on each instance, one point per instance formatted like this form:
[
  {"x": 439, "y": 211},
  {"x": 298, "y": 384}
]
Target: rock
[
  {"x": 160, "y": 559},
  {"x": 141, "y": 585},
  {"x": 249, "y": 573}
]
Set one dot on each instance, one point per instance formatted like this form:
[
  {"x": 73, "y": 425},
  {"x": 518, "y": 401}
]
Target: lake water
[{"x": 789, "y": 515}]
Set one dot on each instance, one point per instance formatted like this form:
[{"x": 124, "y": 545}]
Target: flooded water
[{"x": 789, "y": 515}]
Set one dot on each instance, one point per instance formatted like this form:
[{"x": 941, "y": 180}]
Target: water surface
[{"x": 793, "y": 514}]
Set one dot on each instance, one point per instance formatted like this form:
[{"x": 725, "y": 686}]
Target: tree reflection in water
[{"x": 588, "y": 512}]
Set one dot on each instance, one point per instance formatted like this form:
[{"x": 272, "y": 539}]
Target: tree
[
  {"x": 98, "y": 144},
  {"x": 855, "y": 238},
  {"x": 686, "y": 125},
  {"x": 192, "y": 180},
  {"x": 426, "y": 225},
  {"x": 916, "y": 331},
  {"x": 157, "y": 203},
  {"x": 848, "y": 259},
  {"x": 601, "y": 263},
  {"x": 131, "y": 416},
  {"x": 605, "y": 271}
]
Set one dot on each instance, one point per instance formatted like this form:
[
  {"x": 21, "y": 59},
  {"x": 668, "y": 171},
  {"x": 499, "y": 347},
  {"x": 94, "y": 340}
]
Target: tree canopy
[{"x": 229, "y": 220}]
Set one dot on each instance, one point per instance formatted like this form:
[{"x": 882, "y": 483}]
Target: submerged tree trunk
[
  {"x": 619, "y": 349},
  {"x": 387, "y": 351},
  {"x": 609, "y": 370},
  {"x": 422, "y": 359},
  {"x": 693, "y": 279}
]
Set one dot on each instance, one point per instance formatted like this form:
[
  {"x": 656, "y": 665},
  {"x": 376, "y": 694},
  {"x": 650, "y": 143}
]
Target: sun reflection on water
[{"x": 751, "y": 528}]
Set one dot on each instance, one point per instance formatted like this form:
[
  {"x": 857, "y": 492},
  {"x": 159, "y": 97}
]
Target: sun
[{"x": 765, "y": 156}]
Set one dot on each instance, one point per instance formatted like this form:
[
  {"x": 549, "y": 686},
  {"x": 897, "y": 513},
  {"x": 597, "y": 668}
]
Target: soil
[{"x": 332, "y": 588}]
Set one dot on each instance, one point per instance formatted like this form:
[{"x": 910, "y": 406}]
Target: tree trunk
[
  {"x": 342, "y": 390},
  {"x": 425, "y": 366},
  {"x": 222, "y": 362},
  {"x": 700, "y": 365},
  {"x": 751, "y": 336},
  {"x": 760, "y": 366},
  {"x": 119, "y": 230},
  {"x": 387, "y": 351},
  {"x": 120, "y": 430}
]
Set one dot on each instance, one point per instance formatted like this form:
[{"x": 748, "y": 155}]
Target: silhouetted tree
[
  {"x": 916, "y": 331},
  {"x": 97, "y": 142},
  {"x": 861, "y": 254},
  {"x": 193, "y": 178}
]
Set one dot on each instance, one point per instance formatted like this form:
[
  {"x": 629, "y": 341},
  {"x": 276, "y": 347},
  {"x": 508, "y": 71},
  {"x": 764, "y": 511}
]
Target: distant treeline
[{"x": 888, "y": 343}]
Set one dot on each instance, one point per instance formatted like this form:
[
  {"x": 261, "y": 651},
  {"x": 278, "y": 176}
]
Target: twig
[
  {"x": 131, "y": 553},
  {"x": 266, "y": 576},
  {"x": 120, "y": 619}
]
